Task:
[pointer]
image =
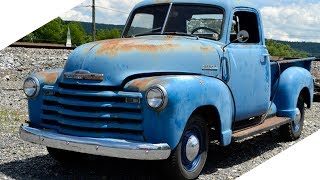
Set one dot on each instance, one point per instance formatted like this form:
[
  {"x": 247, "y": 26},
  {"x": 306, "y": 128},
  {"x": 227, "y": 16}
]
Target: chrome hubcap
[
  {"x": 192, "y": 148},
  {"x": 298, "y": 117}
]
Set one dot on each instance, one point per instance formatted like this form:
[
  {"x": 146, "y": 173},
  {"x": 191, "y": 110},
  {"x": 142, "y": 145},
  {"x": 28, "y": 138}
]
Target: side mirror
[{"x": 243, "y": 36}]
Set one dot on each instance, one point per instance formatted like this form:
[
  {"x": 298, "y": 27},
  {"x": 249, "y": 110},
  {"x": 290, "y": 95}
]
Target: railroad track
[{"x": 41, "y": 45}]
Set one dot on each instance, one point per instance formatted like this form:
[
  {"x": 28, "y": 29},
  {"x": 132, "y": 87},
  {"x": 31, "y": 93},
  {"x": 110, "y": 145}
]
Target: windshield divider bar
[{"x": 166, "y": 20}]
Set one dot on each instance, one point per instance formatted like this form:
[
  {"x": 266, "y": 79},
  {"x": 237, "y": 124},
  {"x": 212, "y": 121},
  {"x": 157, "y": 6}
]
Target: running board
[{"x": 268, "y": 124}]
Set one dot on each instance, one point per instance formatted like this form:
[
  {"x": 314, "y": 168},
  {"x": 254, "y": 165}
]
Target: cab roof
[{"x": 225, "y": 4}]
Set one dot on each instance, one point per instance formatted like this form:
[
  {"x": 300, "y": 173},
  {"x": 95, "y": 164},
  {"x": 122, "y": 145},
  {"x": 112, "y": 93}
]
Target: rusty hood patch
[
  {"x": 116, "y": 47},
  {"x": 49, "y": 78},
  {"x": 120, "y": 58}
]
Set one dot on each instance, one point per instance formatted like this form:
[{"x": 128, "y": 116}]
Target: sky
[{"x": 289, "y": 20}]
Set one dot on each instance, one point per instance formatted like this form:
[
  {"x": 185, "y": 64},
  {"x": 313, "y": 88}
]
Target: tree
[
  {"x": 78, "y": 34},
  {"x": 283, "y": 50},
  {"x": 29, "y": 38},
  {"x": 51, "y": 32},
  {"x": 108, "y": 34},
  {"x": 56, "y": 32}
]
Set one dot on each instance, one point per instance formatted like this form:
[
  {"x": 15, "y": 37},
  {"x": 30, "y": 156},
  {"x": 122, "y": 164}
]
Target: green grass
[
  {"x": 11, "y": 120},
  {"x": 7, "y": 115}
]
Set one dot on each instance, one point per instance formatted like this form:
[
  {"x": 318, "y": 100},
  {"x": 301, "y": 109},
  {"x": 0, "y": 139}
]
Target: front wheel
[
  {"x": 293, "y": 130},
  {"x": 188, "y": 159}
]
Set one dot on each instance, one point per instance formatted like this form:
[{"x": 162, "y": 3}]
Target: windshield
[{"x": 193, "y": 20}]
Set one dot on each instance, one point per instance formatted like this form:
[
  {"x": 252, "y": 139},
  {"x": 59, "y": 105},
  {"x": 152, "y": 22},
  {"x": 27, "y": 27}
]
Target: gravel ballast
[{"x": 21, "y": 160}]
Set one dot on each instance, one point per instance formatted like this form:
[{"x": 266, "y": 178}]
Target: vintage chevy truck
[{"x": 184, "y": 74}]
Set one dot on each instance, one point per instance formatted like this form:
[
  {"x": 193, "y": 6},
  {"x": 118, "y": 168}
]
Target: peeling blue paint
[{"x": 238, "y": 82}]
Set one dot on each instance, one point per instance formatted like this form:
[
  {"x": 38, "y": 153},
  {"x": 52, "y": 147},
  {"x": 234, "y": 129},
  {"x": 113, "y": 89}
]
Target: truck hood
[{"x": 119, "y": 59}]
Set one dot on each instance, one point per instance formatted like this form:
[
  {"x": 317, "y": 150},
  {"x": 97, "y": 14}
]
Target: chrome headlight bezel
[
  {"x": 164, "y": 97},
  {"x": 36, "y": 83}
]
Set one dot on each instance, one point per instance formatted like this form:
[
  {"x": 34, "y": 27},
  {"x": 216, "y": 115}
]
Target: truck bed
[
  {"x": 284, "y": 60},
  {"x": 290, "y": 62}
]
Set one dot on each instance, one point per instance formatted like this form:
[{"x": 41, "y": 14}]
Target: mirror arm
[
  {"x": 242, "y": 36},
  {"x": 224, "y": 47}
]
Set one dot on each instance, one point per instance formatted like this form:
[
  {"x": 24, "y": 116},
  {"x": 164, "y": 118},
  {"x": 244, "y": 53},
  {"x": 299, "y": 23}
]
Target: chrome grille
[{"x": 92, "y": 112}]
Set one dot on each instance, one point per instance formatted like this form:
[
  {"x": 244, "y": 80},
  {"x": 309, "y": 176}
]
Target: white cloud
[
  {"x": 124, "y": 4},
  {"x": 111, "y": 16},
  {"x": 74, "y": 15},
  {"x": 107, "y": 11},
  {"x": 295, "y": 22}
]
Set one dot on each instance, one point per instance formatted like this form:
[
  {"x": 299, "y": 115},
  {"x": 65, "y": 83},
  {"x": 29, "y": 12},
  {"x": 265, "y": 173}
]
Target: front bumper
[{"x": 97, "y": 146}]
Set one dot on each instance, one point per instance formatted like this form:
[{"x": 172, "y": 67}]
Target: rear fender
[
  {"x": 293, "y": 81},
  {"x": 185, "y": 94}
]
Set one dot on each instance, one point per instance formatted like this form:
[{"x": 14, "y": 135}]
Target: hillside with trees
[
  {"x": 88, "y": 26},
  {"x": 56, "y": 32},
  {"x": 311, "y": 48},
  {"x": 284, "y": 50}
]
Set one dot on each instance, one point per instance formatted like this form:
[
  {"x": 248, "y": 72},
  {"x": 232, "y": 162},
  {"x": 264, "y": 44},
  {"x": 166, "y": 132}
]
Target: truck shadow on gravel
[
  {"x": 44, "y": 167},
  {"x": 239, "y": 152}
]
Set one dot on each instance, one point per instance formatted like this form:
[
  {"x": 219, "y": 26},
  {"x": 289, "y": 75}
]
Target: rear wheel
[
  {"x": 188, "y": 159},
  {"x": 293, "y": 130}
]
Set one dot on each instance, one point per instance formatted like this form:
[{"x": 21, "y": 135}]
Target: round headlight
[
  {"x": 157, "y": 97},
  {"x": 31, "y": 87}
]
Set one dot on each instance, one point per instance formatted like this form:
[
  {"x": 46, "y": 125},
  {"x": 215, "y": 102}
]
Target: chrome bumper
[{"x": 97, "y": 146}]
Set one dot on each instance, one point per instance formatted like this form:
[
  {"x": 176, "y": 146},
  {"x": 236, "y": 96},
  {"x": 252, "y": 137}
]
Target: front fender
[
  {"x": 34, "y": 104},
  {"x": 292, "y": 81},
  {"x": 185, "y": 94}
]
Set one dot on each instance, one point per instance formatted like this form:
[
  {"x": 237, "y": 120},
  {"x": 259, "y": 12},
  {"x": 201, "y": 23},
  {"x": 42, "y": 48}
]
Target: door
[{"x": 249, "y": 66}]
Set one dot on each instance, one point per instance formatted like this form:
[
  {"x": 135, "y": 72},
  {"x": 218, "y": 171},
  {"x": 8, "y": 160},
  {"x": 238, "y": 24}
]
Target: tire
[
  {"x": 293, "y": 130},
  {"x": 65, "y": 157},
  {"x": 180, "y": 165}
]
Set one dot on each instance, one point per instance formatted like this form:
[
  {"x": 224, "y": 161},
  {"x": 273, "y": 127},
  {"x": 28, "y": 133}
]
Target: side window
[{"x": 245, "y": 21}]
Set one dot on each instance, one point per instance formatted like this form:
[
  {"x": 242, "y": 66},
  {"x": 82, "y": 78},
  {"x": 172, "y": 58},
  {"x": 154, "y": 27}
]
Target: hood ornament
[{"x": 83, "y": 75}]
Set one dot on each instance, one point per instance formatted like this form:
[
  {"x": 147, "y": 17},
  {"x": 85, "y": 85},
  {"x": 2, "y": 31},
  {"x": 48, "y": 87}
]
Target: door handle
[{"x": 265, "y": 57}]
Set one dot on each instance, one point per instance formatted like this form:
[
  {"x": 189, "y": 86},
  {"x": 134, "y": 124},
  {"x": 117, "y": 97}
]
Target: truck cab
[{"x": 184, "y": 74}]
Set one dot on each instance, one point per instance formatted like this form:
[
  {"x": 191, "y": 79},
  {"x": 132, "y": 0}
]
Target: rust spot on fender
[
  {"x": 49, "y": 77},
  {"x": 115, "y": 47},
  {"x": 207, "y": 49},
  {"x": 142, "y": 84}
]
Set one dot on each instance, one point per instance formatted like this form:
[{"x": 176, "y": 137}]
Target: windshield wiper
[
  {"x": 181, "y": 34},
  {"x": 148, "y": 32}
]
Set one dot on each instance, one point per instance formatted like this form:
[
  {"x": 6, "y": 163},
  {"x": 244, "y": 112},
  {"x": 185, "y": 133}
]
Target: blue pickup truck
[{"x": 184, "y": 74}]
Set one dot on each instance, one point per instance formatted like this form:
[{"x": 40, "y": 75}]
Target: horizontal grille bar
[
  {"x": 86, "y": 85},
  {"x": 96, "y": 124},
  {"x": 124, "y": 115},
  {"x": 82, "y": 103},
  {"x": 93, "y": 93}
]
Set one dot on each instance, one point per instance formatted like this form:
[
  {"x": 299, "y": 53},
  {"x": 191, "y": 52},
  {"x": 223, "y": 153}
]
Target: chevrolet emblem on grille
[{"x": 83, "y": 75}]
